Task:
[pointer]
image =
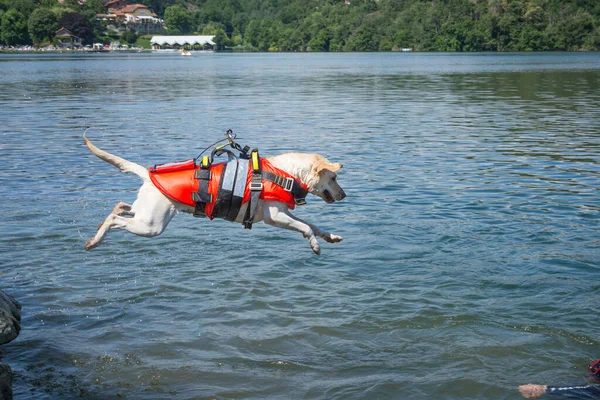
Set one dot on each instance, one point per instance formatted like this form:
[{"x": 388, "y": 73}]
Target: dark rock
[
  {"x": 10, "y": 326},
  {"x": 10, "y": 318},
  {"x": 5, "y": 382}
]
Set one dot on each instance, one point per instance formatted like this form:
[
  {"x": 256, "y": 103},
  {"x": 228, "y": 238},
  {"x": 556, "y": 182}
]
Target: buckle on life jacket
[
  {"x": 289, "y": 185},
  {"x": 256, "y": 187}
]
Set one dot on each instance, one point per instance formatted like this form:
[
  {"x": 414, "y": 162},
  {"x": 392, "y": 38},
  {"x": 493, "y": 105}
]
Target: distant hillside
[
  {"x": 368, "y": 25},
  {"x": 361, "y": 25}
]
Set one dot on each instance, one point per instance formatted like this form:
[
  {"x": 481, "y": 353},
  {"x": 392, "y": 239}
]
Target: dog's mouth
[{"x": 328, "y": 197}]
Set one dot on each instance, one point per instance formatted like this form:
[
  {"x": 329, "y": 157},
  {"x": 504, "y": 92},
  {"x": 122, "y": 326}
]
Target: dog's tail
[{"x": 121, "y": 163}]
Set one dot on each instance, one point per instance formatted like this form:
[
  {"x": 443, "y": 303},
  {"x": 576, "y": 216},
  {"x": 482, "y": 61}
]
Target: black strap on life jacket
[
  {"x": 256, "y": 187},
  {"x": 202, "y": 196},
  {"x": 231, "y": 190},
  {"x": 289, "y": 185}
]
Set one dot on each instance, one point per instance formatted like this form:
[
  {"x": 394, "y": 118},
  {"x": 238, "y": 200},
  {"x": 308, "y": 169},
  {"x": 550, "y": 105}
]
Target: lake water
[{"x": 471, "y": 257}]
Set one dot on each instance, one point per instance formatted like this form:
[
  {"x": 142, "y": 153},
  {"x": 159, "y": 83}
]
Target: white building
[{"x": 177, "y": 42}]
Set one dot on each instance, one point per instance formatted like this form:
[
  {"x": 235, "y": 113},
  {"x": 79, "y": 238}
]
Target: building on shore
[
  {"x": 134, "y": 17},
  {"x": 183, "y": 42},
  {"x": 65, "y": 39}
]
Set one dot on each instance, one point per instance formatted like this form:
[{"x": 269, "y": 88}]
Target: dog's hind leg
[
  {"x": 134, "y": 225},
  {"x": 103, "y": 229},
  {"x": 151, "y": 213},
  {"x": 120, "y": 209},
  {"x": 123, "y": 209}
]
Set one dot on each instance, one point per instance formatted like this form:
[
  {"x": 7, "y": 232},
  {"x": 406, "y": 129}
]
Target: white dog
[{"x": 152, "y": 211}]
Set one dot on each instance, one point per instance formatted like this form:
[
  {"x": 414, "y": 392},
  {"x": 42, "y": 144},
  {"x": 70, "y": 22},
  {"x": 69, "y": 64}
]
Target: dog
[{"x": 152, "y": 211}]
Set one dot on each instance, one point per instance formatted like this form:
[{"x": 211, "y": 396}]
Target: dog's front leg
[
  {"x": 329, "y": 237},
  {"x": 277, "y": 214}
]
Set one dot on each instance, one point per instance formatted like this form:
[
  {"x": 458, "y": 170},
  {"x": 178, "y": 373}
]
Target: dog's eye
[{"x": 334, "y": 178}]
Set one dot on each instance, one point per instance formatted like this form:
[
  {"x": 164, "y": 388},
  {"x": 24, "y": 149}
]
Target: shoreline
[
  {"x": 40, "y": 51},
  {"x": 166, "y": 51}
]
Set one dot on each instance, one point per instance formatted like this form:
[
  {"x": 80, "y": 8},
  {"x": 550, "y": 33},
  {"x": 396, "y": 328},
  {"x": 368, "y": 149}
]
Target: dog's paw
[
  {"x": 331, "y": 238},
  {"x": 89, "y": 244},
  {"x": 314, "y": 245}
]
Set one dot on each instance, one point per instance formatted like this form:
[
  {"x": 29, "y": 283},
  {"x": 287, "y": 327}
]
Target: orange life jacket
[{"x": 180, "y": 181}]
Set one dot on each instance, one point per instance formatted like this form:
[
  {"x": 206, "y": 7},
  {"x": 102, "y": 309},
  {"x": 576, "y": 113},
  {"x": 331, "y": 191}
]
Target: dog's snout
[{"x": 342, "y": 195}]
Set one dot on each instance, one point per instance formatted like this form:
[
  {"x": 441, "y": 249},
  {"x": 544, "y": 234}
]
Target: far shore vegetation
[{"x": 322, "y": 25}]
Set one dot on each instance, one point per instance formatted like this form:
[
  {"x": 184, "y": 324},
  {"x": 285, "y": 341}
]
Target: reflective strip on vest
[
  {"x": 223, "y": 202},
  {"x": 238, "y": 190}
]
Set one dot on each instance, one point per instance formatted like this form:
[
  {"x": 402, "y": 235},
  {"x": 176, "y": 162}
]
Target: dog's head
[{"x": 324, "y": 181}]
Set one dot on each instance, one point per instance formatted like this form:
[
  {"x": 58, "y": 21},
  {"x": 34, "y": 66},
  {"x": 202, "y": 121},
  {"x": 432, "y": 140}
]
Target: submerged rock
[
  {"x": 5, "y": 382},
  {"x": 10, "y": 318},
  {"x": 10, "y": 326}
]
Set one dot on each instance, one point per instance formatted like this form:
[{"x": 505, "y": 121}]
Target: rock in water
[
  {"x": 10, "y": 326},
  {"x": 10, "y": 318},
  {"x": 5, "y": 382}
]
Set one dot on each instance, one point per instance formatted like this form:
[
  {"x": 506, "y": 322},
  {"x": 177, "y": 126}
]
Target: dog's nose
[{"x": 342, "y": 195}]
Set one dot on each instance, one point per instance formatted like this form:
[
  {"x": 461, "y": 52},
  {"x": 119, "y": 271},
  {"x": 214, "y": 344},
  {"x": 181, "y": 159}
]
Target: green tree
[
  {"x": 60, "y": 11},
  {"x": 236, "y": 38},
  {"x": 293, "y": 40},
  {"x": 178, "y": 19},
  {"x": 158, "y": 6},
  {"x": 42, "y": 25},
  {"x": 251, "y": 35},
  {"x": 221, "y": 39},
  {"x": 48, "y": 3},
  {"x": 321, "y": 41},
  {"x": 364, "y": 25},
  {"x": 78, "y": 24},
  {"x": 574, "y": 30},
  {"x": 130, "y": 36},
  {"x": 592, "y": 42},
  {"x": 14, "y": 28},
  {"x": 212, "y": 28},
  {"x": 96, "y": 6},
  {"x": 25, "y": 7},
  {"x": 362, "y": 40}
]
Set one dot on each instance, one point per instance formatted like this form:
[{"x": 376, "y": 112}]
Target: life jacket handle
[{"x": 218, "y": 150}]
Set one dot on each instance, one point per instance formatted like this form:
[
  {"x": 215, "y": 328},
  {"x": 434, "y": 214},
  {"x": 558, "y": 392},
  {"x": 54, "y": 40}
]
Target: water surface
[{"x": 470, "y": 260}]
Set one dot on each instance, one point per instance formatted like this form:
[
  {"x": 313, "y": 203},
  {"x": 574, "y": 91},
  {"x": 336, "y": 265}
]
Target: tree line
[
  {"x": 36, "y": 21},
  {"x": 334, "y": 25}
]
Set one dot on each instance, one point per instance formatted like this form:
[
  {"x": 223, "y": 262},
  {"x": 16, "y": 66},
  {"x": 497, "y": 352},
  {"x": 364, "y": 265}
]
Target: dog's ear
[
  {"x": 335, "y": 167},
  {"x": 321, "y": 167}
]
